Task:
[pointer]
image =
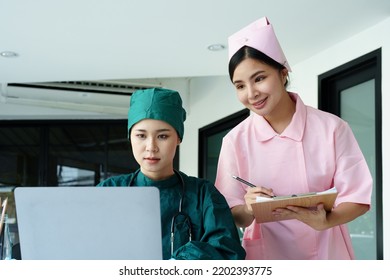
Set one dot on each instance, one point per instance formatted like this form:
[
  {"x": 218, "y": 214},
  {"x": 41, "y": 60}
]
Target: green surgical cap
[{"x": 158, "y": 104}]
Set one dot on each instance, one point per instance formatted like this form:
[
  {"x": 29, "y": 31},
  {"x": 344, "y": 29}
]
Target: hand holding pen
[
  {"x": 250, "y": 197},
  {"x": 262, "y": 191}
]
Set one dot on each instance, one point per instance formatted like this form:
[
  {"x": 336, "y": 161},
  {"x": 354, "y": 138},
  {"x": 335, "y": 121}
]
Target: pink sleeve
[
  {"x": 352, "y": 178},
  {"x": 227, "y": 166}
]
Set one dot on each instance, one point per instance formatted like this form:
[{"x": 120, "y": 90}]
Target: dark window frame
[
  {"x": 209, "y": 130},
  {"x": 44, "y": 126}
]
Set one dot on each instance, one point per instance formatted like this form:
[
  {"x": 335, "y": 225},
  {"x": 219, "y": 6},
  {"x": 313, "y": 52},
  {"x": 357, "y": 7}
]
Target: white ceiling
[{"x": 73, "y": 40}]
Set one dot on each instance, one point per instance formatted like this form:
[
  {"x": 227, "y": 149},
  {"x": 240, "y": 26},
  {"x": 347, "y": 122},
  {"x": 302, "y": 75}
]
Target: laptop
[{"x": 89, "y": 223}]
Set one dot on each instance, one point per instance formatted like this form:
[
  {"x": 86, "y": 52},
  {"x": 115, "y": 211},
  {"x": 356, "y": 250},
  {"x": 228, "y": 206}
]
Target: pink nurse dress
[{"x": 317, "y": 151}]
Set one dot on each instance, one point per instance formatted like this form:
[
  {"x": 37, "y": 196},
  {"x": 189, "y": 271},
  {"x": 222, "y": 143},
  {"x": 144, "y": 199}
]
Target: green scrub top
[{"x": 214, "y": 234}]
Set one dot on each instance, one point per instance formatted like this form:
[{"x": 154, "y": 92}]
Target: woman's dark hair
[{"x": 248, "y": 52}]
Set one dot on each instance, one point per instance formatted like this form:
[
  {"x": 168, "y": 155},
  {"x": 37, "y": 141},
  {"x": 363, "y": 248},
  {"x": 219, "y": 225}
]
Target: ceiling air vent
[
  {"x": 104, "y": 96},
  {"x": 121, "y": 87}
]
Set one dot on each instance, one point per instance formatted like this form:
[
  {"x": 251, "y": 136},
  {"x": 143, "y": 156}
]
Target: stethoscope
[{"x": 186, "y": 219}]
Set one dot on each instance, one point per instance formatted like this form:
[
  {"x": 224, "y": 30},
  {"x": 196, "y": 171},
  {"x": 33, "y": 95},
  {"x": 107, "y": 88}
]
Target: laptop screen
[{"x": 89, "y": 223}]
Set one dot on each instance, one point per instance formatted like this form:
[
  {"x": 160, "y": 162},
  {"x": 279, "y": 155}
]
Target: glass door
[
  {"x": 353, "y": 92},
  {"x": 357, "y": 107}
]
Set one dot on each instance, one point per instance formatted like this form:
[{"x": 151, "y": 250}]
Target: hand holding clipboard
[{"x": 263, "y": 207}]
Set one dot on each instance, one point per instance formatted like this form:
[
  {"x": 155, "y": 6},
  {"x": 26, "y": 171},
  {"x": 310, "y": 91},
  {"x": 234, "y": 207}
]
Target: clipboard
[{"x": 262, "y": 209}]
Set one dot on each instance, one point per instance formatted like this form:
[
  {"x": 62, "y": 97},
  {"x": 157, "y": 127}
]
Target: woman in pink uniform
[{"x": 285, "y": 147}]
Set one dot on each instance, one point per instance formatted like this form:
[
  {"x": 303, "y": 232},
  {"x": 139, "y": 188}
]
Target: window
[
  {"x": 210, "y": 141},
  {"x": 42, "y": 153}
]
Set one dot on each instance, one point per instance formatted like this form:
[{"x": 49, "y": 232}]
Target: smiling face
[
  {"x": 260, "y": 87},
  {"x": 154, "y": 145}
]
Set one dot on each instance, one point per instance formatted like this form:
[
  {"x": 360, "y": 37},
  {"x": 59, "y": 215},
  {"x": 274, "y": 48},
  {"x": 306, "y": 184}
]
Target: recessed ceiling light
[
  {"x": 8, "y": 54},
  {"x": 216, "y": 47}
]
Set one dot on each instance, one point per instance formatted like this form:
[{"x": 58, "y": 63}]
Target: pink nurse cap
[{"x": 259, "y": 35}]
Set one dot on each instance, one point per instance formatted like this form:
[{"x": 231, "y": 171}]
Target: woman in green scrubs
[{"x": 196, "y": 220}]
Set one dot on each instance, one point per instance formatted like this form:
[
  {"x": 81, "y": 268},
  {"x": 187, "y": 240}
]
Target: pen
[
  {"x": 243, "y": 181},
  {"x": 247, "y": 183}
]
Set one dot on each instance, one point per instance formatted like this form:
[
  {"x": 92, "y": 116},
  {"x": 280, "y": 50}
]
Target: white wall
[{"x": 213, "y": 98}]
